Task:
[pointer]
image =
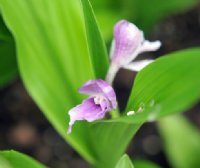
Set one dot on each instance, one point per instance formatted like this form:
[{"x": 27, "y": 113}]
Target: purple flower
[
  {"x": 101, "y": 99},
  {"x": 127, "y": 44}
]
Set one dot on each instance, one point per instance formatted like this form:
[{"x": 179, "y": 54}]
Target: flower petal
[
  {"x": 99, "y": 87},
  {"x": 127, "y": 44},
  {"x": 127, "y": 38},
  {"x": 88, "y": 110},
  {"x": 150, "y": 46},
  {"x": 138, "y": 65}
]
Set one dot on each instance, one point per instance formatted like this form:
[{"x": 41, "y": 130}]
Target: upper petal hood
[
  {"x": 99, "y": 87},
  {"x": 127, "y": 39}
]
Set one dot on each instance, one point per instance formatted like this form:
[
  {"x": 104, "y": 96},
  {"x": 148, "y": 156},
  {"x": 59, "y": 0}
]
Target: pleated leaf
[
  {"x": 167, "y": 86},
  {"x": 54, "y": 62},
  {"x": 53, "y": 58},
  {"x": 112, "y": 139}
]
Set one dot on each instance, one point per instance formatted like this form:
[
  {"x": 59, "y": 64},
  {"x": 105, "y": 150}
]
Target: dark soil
[{"x": 23, "y": 127}]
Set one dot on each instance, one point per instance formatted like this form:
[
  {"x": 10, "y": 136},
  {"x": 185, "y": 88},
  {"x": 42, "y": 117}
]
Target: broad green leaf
[
  {"x": 8, "y": 64},
  {"x": 54, "y": 62},
  {"x": 4, "y": 163},
  {"x": 144, "y": 164},
  {"x": 181, "y": 141},
  {"x": 96, "y": 44},
  {"x": 124, "y": 162},
  {"x": 13, "y": 159},
  {"x": 159, "y": 89},
  {"x": 53, "y": 58},
  {"x": 111, "y": 140},
  {"x": 167, "y": 86}
]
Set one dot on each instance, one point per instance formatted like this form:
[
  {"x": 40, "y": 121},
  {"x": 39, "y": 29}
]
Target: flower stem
[
  {"x": 115, "y": 113},
  {"x": 113, "y": 69}
]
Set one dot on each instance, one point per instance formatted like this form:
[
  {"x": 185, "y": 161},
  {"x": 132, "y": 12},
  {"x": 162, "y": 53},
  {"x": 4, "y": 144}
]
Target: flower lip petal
[
  {"x": 138, "y": 65},
  {"x": 150, "y": 46},
  {"x": 102, "y": 99},
  {"x": 87, "y": 110}
]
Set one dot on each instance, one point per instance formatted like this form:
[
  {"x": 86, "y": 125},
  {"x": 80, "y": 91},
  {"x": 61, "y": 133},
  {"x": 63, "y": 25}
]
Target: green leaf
[
  {"x": 144, "y": 164},
  {"x": 8, "y": 64},
  {"x": 111, "y": 140},
  {"x": 53, "y": 58},
  {"x": 13, "y": 159},
  {"x": 167, "y": 86},
  {"x": 124, "y": 162},
  {"x": 96, "y": 44},
  {"x": 54, "y": 62},
  {"x": 158, "y": 89},
  {"x": 181, "y": 141}
]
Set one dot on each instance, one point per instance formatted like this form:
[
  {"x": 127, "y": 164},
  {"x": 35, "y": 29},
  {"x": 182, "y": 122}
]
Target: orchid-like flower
[
  {"x": 101, "y": 99},
  {"x": 127, "y": 44}
]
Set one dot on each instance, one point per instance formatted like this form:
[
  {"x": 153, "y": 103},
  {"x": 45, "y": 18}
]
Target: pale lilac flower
[
  {"x": 101, "y": 99},
  {"x": 127, "y": 44}
]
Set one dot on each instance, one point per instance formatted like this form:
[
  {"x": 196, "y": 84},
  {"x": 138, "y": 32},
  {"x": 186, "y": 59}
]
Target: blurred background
[{"x": 23, "y": 127}]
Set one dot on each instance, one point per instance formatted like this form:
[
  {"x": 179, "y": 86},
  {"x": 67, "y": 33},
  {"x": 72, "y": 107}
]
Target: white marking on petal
[
  {"x": 98, "y": 99},
  {"x": 107, "y": 89},
  {"x": 150, "y": 46},
  {"x": 138, "y": 65}
]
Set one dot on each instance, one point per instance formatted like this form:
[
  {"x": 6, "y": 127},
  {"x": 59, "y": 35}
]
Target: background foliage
[{"x": 60, "y": 46}]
